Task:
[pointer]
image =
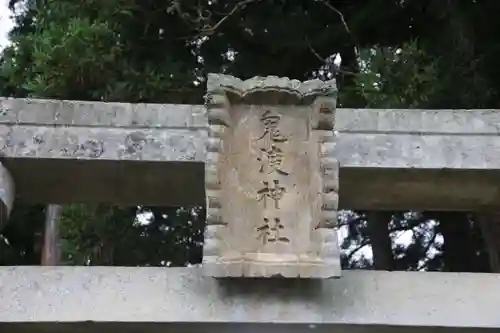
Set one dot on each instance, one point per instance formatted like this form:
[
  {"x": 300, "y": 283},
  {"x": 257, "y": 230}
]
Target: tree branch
[
  {"x": 353, "y": 252},
  {"x": 342, "y": 19},
  {"x": 427, "y": 248},
  {"x": 238, "y": 6}
]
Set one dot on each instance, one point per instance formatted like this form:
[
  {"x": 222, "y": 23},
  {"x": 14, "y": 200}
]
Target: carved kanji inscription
[
  {"x": 271, "y": 232},
  {"x": 274, "y": 193},
  {"x": 271, "y": 160},
  {"x": 271, "y": 121}
]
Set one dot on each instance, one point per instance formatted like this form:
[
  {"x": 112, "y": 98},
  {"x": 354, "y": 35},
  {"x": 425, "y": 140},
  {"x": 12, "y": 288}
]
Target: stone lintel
[
  {"x": 155, "y": 154},
  {"x": 95, "y": 299}
]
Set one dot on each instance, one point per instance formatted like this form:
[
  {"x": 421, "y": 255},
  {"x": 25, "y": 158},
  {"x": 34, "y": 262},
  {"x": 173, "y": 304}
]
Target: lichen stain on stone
[
  {"x": 90, "y": 148},
  {"x": 30, "y": 153},
  {"x": 38, "y": 139},
  {"x": 190, "y": 151},
  {"x": 135, "y": 142}
]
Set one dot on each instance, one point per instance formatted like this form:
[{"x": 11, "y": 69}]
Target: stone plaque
[{"x": 271, "y": 178}]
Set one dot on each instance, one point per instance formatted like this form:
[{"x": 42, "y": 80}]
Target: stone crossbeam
[
  {"x": 71, "y": 151},
  {"x": 117, "y": 299}
]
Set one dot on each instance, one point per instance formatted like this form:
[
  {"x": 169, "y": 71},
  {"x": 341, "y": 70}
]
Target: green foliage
[
  {"x": 103, "y": 235},
  {"x": 78, "y": 56},
  {"x": 92, "y": 51},
  {"x": 397, "y": 77},
  {"x": 21, "y": 238}
]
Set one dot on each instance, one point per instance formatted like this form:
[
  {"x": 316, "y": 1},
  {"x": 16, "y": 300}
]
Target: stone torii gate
[{"x": 276, "y": 132}]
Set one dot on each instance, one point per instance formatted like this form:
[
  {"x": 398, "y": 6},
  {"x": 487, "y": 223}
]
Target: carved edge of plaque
[
  {"x": 218, "y": 120},
  {"x": 269, "y": 90},
  {"x": 326, "y": 234},
  {"x": 7, "y": 194}
]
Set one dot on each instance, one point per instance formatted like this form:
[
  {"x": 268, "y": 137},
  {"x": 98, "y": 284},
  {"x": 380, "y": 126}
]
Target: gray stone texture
[
  {"x": 98, "y": 299},
  {"x": 154, "y": 154},
  {"x": 7, "y": 194}
]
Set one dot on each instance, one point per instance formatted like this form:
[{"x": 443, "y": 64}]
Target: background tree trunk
[
  {"x": 50, "y": 251},
  {"x": 489, "y": 223},
  {"x": 378, "y": 229},
  {"x": 463, "y": 248}
]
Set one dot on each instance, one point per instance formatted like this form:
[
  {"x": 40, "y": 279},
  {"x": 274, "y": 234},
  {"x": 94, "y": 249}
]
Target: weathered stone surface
[
  {"x": 35, "y": 112},
  {"x": 42, "y": 299},
  {"x": 72, "y": 151},
  {"x": 7, "y": 194},
  {"x": 271, "y": 179},
  {"x": 389, "y": 159},
  {"x": 404, "y": 121},
  {"x": 109, "y": 144}
]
